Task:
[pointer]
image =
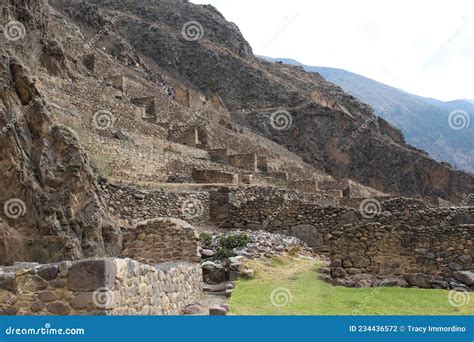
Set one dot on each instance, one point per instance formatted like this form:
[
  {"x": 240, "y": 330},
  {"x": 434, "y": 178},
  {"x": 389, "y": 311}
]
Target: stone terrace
[{"x": 99, "y": 287}]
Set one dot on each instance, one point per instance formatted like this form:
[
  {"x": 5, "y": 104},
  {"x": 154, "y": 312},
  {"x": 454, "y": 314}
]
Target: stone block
[
  {"x": 419, "y": 280},
  {"x": 58, "y": 308},
  {"x": 465, "y": 277},
  {"x": 217, "y": 311},
  {"x": 7, "y": 282},
  {"x": 90, "y": 275},
  {"x": 214, "y": 177},
  {"x": 308, "y": 233},
  {"x": 48, "y": 272}
]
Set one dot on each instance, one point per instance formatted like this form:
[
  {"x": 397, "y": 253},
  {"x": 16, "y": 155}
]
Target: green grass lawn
[{"x": 298, "y": 279}]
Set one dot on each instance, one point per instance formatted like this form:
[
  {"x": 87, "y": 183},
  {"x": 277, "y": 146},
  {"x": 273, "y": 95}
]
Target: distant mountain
[{"x": 425, "y": 122}]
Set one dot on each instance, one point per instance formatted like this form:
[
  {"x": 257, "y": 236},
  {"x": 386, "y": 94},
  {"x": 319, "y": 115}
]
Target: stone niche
[
  {"x": 106, "y": 286},
  {"x": 150, "y": 103},
  {"x": 214, "y": 176},
  {"x": 189, "y": 98},
  {"x": 192, "y": 136},
  {"x": 244, "y": 161},
  {"x": 89, "y": 62},
  {"x": 160, "y": 240},
  {"x": 262, "y": 163}
]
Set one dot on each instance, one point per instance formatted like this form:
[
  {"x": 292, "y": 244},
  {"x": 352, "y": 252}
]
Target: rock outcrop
[{"x": 52, "y": 209}]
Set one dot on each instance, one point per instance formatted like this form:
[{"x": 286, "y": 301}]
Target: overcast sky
[{"x": 422, "y": 47}]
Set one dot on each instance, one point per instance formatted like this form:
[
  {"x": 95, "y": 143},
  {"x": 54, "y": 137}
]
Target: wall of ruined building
[
  {"x": 160, "y": 240},
  {"x": 262, "y": 163},
  {"x": 303, "y": 185},
  {"x": 279, "y": 176},
  {"x": 119, "y": 82},
  {"x": 190, "y": 98},
  {"x": 423, "y": 255},
  {"x": 99, "y": 287},
  {"x": 214, "y": 176},
  {"x": 244, "y": 161},
  {"x": 265, "y": 208},
  {"x": 149, "y": 103},
  {"x": 135, "y": 205},
  {"x": 219, "y": 155},
  {"x": 313, "y": 217},
  {"x": 333, "y": 184}
]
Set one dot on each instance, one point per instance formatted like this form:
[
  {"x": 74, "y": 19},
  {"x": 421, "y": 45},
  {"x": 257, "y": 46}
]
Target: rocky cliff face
[
  {"x": 331, "y": 129},
  {"x": 51, "y": 203}
]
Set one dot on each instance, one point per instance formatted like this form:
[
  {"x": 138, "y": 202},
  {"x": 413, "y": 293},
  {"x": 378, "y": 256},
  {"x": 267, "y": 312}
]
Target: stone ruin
[
  {"x": 190, "y": 99},
  {"x": 279, "y": 176},
  {"x": 195, "y": 100},
  {"x": 306, "y": 185},
  {"x": 219, "y": 155},
  {"x": 161, "y": 240},
  {"x": 162, "y": 279},
  {"x": 119, "y": 82},
  {"x": 65, "y": 225},
  {"x": 101, "y": 286},
  {"x": 426, "y": 256},
  {"x": 192, "y": 136},
  {"x": 86, "y": 254},
  {"x": 214, "y": 177},
  {"x": 247, "y": 162},
  {"x": 150, "y": 105}
]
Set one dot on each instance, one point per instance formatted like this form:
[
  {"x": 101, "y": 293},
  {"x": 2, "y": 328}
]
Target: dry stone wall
[
  {"x": 244, "y": 161},
  {"x": 99, "y": 287},
  {"x": 423, "y": 256},
  {"x": 160, "y": 240},
  {"x": 264, "y": 208},
  {"x": 134, "y": 205},
  {"x": 214, "y": 176},
  {"x": 314, "y": 219}
]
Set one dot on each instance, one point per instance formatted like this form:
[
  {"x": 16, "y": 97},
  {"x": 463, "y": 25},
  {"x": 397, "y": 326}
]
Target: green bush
[
  {"x": 223, "y": 254},
  {"x": 235, "y": 241},
  {"x": 205, "y": 238}
]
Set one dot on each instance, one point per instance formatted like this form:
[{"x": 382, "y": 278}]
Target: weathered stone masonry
[
  {"x": 99, "y": 287},
  {"x": 407, "y": 238},
  {"x": 136, "y": 205},
  {"x": 160, "y": 240},
  {"x": 419, "y": 256}
]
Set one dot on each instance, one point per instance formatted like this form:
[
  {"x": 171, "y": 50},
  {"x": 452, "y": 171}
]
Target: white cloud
[{"x": 424, "y": 47}]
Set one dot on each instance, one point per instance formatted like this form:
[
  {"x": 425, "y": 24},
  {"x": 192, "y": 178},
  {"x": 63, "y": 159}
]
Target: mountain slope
[
  {"x": 425, "y": 122},
  {"x": 330, "y": 129}
]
